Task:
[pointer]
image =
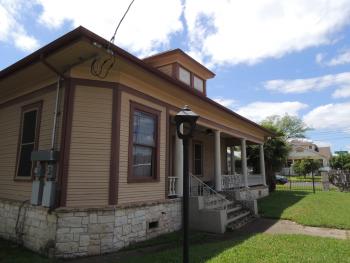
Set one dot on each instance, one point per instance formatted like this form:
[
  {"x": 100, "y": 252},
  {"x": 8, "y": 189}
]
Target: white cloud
[
  {"x": 330, "y": 116},
  {"x": 11, "y": 29},
  {"x": 340, "y": 59},
  {"x": 322, "y": 143},
  {"x": 341, "y": 82},
  {"x": 343, "y": 57},
  {"x": 229, "y": 103},
  {"x": 146, "y": 28},
  {"x": 231, "y": 32},
  {"x": 258, "y": 111},
  {"x": 319, "y": 58},
  {"x": 343, "y": 92}
]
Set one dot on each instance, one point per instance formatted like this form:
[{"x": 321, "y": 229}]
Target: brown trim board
[
  {"x": 167, "y": 153},
  {"x": 65, "y": 140},
  {"x": 114, "y": 167}
]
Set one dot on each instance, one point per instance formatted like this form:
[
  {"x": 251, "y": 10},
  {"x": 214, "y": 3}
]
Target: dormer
[{"x": 181, "y": 66}]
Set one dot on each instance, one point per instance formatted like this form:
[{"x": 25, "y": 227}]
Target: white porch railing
[
  {"x": 212, "y": 199},
  {"x": 232, "y": 181},
  {"x": 172, "y": 185}
]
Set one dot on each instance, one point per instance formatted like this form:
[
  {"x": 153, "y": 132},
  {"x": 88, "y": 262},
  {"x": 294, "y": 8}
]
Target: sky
[{"x": 270, "y": 57}]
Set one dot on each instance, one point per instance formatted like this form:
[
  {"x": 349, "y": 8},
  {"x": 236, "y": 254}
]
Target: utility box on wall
[{"x": 43, "y": 191}]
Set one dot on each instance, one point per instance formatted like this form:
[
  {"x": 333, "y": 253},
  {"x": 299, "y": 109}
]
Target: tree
[
  {"x": 341, "y": 161},
  {"x": 299, "y": 167},
  {"x": 276, "y": 151},
  {"x": 290, "y": 126},
  {"x": 306, "y": 166}
]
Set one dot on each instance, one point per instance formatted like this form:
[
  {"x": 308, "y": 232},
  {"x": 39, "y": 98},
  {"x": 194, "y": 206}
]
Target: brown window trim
[
  {"x": 33, "y": 106},
  {"x": 133, "y": 107},
  {"x": 193, "y": 158}
]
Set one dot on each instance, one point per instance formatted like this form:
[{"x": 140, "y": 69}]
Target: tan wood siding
[
  {"x": 10, "y": 124},
  {"x": 138, "y": 79},
  {"x": 89, "y": 160},
  {"x": 168, "y": 69},
  {"x": 135, "y": 192}
]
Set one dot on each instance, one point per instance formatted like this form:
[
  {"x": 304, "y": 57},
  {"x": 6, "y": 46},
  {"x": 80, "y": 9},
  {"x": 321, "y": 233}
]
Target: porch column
[
  {"x": 217, "y": 163},
  {"x": 262, "y": 164},
  {"x": 233, "y": 161},
  {"x": 178, "y": 164},
  {"x": 244, "y": 161}
]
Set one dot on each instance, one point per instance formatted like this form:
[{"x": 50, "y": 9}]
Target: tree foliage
[
  {"x": 306, "y": 166},
  {"x": 276, "y": 151},
  {"x": 341, "y": 161},
  {"x": 290, "y": 126}
]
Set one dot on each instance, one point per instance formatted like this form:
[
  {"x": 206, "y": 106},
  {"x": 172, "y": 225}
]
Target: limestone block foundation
[{"x": 73, "y": 232}]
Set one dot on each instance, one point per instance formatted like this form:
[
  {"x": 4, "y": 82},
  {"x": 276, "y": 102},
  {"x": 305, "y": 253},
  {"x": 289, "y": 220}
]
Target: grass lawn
[
  {"x": 257, "y": 248},
  {"x": 11, "y": 253},
  {"x": 304, "y": 179},
  {"x": 260, "y": 248},
  {"x": 324, "y": 209}
]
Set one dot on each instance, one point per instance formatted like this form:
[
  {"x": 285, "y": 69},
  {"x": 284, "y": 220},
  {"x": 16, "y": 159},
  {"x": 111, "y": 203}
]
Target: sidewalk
[{"x": 275, "y": 226}]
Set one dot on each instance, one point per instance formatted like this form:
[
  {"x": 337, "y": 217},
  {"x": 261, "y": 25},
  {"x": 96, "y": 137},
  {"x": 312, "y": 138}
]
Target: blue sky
[{"x": 270, "y": 57}]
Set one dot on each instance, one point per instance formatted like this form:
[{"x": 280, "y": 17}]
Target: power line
[{"x": 101, "y": 68}]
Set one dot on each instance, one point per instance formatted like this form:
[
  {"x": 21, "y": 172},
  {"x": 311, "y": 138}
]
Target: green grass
[
  {"x": 256, "y": 248},
  {"x": 304, "y": 179},
  {"x": 324, "y": 209},
  {"x": 12, "y": 253},
  {"x": 259, "y": 248}
]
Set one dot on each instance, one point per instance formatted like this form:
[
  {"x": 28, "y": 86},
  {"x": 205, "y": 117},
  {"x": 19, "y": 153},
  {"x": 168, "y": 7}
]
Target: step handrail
[{"x": 210, "y": 189}]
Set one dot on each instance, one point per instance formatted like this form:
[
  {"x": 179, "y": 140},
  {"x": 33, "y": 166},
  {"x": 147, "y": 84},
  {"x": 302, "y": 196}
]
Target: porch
[{"x": 217, "y": 159}]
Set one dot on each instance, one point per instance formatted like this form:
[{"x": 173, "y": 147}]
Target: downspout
[{"x": 57, "y": 100}]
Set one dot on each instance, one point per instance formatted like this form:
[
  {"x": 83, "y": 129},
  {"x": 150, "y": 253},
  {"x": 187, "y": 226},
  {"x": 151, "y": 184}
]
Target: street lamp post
[{"x": 187, "y": 119}]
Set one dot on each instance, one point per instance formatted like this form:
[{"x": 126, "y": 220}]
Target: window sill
[
  {"x": 23, "y": 179},
  {"x": 142, "y": 180}
]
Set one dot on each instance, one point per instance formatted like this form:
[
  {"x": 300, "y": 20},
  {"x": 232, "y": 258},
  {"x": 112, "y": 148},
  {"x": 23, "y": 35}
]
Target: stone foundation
[{"x": 89, "y": 231}]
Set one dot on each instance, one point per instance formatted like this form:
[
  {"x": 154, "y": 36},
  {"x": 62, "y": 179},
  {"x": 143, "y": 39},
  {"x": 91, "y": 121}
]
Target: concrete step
[
  {"x": 233, "y": 208},
  {"x": 241, "y": 222},
  {"x": 232, "y": 217}
]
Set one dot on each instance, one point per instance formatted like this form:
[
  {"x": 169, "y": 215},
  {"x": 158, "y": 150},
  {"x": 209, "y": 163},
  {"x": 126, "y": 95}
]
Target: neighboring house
[
  {"x": 107, "y": 164},
  {"x": 306, "y": 149}
]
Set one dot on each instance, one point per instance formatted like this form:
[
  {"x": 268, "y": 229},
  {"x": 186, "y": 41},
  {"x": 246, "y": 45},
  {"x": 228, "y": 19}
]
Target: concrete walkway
[{"x": 274, "y": 226}]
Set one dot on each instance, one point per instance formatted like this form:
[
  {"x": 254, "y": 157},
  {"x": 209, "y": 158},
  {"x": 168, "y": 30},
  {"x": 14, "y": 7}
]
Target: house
[
  {"x": 89, "y": 157},
  {"x": 306, "y": 149}
]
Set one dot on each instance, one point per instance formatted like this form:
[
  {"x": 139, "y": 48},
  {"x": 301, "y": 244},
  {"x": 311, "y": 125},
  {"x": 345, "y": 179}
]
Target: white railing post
[
  {"x": 172, "y": 186},
  {"x": 217, "y": 154},
  {"x": 178, "y": 164},
  {"x": 244, "y": 161},
  {"x": 233, "y": 161},
  {"x": 262, "y": 164}
]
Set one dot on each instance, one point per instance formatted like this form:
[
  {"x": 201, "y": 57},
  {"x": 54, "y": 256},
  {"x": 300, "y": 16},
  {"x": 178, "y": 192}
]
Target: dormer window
[
  {"x": 198, "y": 83},
  {"x": 180, "y": 66},
  {"x": 185, "y": 76}
]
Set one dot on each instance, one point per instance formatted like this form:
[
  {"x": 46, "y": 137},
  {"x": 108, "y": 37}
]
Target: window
[
  {"x": 28, "y": 139},
  {"x": 198, "y": 83},
  {"x": 185, "y": 76},
  {"x": 144, "y": 144},
  {"x": 197, "y": 158}
]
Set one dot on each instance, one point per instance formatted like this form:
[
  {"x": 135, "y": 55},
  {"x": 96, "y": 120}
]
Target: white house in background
[{"x": 307, "y": 149}]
